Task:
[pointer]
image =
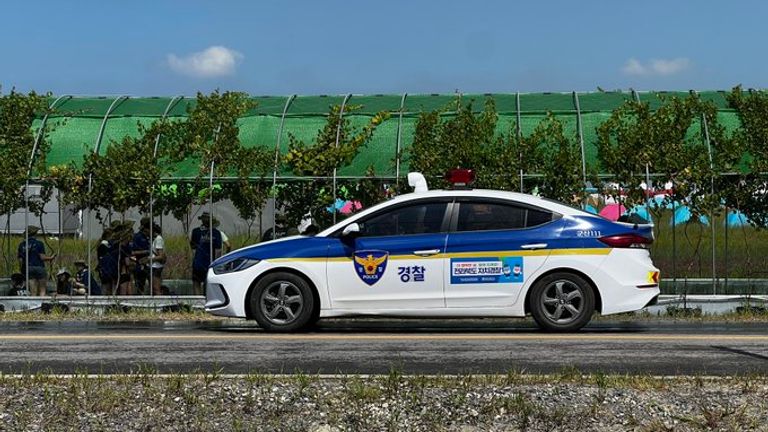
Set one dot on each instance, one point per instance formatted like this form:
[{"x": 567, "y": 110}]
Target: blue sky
[{"x": 331, "y": 47}]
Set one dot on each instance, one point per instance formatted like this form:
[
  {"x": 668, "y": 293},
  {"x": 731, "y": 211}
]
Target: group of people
[{"x": 127, "y": 261}]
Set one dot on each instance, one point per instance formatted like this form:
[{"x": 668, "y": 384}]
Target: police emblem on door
[{"x": 370, "y": 265}]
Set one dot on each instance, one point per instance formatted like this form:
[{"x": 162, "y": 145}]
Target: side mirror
[{"x": 351, "y": 230}]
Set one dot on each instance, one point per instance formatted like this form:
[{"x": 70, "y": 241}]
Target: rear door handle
[
  {"x": 428, "y": 252},
  {"x": 531, "y": 246}
]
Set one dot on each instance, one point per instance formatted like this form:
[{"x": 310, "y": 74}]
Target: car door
[
  {"x": 493, "y": 248},
  {"x": 395, "y": 262}
]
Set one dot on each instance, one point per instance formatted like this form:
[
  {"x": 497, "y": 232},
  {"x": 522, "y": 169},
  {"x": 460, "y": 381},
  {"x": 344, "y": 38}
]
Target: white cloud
[
  {"x": 656, "y": 67},
  {"x": 211, "y": 62}
]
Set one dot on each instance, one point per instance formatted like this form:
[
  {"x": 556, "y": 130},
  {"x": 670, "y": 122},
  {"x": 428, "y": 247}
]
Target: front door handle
[
  {"x": 532, "y": 246},
  {"x": 425, "y": 253}
]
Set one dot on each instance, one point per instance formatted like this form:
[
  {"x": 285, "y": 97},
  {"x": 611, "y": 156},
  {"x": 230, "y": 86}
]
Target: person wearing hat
[
  {"x": 82, "y": 277},
  {"x": 63, "y": 282},
  {"x": 201, "y": 240},
  {"x": 37, "y": 259}
]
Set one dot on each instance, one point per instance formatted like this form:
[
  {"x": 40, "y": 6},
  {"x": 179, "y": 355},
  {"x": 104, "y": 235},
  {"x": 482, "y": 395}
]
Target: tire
[
  {"x": 562, "y": 302},
  {"x": 282, "y": 302}
]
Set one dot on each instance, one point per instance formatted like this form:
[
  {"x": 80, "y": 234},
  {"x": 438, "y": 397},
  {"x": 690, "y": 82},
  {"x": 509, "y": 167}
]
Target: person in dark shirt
[
  {"x": 82, "y": 277},
  {"x": 201, "y": 240},
  {"x": 63, "y": 282},
  {"x": 123, "y": 254},
  {"x": 140, "y": 250},
  {"x": 17, "y": 286},
  {"x": 107, "y": 256},
  {"x": 37, "y": 259}
]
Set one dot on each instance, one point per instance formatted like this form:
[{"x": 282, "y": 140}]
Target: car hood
[{"x": 289, "y": 247}]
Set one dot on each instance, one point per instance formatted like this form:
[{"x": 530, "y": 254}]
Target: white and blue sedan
[{"x": 444, "y": 253}]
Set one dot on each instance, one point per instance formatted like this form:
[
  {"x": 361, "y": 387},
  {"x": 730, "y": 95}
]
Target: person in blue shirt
[
  {"x": 201, "y": 240},
  {"x": 37, "y": 283},
  {"x": 82, "y": 277}
]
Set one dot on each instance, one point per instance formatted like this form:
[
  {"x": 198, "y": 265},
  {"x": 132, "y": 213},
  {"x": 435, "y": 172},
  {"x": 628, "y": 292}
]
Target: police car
[{"x": 444, "y": 253}]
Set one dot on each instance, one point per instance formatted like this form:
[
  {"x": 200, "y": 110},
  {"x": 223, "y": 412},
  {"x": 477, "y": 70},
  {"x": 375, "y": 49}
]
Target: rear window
[{"x": 493, "y": 216}]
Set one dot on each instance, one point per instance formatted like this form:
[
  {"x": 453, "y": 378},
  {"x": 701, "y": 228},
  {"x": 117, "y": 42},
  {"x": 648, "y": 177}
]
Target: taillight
[{"x": 627, "y": 241}]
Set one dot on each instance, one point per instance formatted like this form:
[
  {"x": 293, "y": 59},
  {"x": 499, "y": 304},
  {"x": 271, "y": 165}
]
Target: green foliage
[
  {"x": 466, "y": 139},
  {"x": 748, "y": 191},
  {"x": 670, "y": 141},
  {"x": 317, "y": 162},
  {"x": 559, "y": 161},
  {"x": 17, "y": 138},
  {"x": 128, "y": 172}
]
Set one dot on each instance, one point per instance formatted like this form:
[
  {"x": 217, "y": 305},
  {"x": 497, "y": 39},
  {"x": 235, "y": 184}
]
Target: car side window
[
  {"x": 491, "y": 216},
  {"x": 420, "y": 218}
]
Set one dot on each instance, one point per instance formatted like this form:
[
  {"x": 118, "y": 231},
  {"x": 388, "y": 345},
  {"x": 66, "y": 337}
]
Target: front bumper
[{"x": 215, "y": 296}]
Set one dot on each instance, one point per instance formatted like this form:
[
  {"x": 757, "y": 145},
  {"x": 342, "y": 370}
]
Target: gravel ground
[{"x": 565, "y": 402}]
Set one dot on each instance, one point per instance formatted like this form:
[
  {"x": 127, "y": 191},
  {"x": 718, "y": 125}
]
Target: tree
[
  {"x": 318, "y": 160},
  {"x": 248, "y": 196},
  {"x": 669, "y": 141},
  {"x": 463, "y": 140},
  {"x": 18, "y": 111},
  {"x": 210, "y": 136},
  {"x": 559, "y": 161},
  {"x": 748, "y": 191},
  {"x": 471, "y": 140},
  {"x": 17, "y": 139}
]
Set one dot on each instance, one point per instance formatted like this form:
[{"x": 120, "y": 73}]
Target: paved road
[{"x": 368, "y": 346}]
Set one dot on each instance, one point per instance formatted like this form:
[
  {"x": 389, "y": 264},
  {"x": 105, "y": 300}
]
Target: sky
[{"x": 310, "y": 47}]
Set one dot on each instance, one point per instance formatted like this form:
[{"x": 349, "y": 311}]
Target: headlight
[{"x": 235, "y": 265}]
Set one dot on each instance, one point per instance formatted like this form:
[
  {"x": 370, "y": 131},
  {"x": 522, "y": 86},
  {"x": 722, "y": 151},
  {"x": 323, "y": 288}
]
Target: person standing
[
  {"x": 202, "y": 241},
  {"x": 157, "y": 260},
  {"x": 37, "y": 259},
  {"x": 107, "y": 266},
  {"x": 140, "y": 252},
  {"x": 224, "y": 238},
  {"x": 126, "y": 261}
]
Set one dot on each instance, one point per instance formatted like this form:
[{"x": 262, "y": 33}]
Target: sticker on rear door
[{"x": 487, "y": 270}]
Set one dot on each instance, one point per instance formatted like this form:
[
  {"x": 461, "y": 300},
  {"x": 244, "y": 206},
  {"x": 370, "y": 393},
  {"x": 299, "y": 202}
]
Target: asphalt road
[{"x": 369, "y": 346}]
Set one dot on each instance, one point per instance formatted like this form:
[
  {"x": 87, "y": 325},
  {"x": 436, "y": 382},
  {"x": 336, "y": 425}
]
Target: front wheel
[
  {"x": 562, "y": 302},
  {"x": 282, "y": 302}
]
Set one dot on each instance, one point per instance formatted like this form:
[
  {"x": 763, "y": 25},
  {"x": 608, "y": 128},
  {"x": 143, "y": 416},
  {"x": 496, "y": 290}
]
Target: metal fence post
[
  {"x": 398, "y": 145},
  {"x": 519, "y": 133},
  {"x": 336, "y": 145},
  {"x": 712, "y": 210},
  {"x": 580, "y": 132},
  {"x": 173, "y": 102},
  {"x": 210, "y": 211},
  {"x": 277, "y": 163}
]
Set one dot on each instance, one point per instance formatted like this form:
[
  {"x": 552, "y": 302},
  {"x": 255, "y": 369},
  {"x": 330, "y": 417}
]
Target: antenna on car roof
[{"x": 417, "y": 181}]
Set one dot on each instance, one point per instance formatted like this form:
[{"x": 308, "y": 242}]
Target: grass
[
  {"x": 570, "y": 400},
  {"x": 98, "y": 314},
  {"x": 671, "y": 314}
]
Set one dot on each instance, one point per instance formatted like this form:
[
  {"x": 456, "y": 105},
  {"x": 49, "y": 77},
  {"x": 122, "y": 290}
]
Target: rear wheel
[
  {"x": 562, "y": 302},
  {"x": 282, "y": 302}
]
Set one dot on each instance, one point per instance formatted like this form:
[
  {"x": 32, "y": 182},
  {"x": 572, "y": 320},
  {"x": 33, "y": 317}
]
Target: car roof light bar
[{"x": 460, "y": 178}]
